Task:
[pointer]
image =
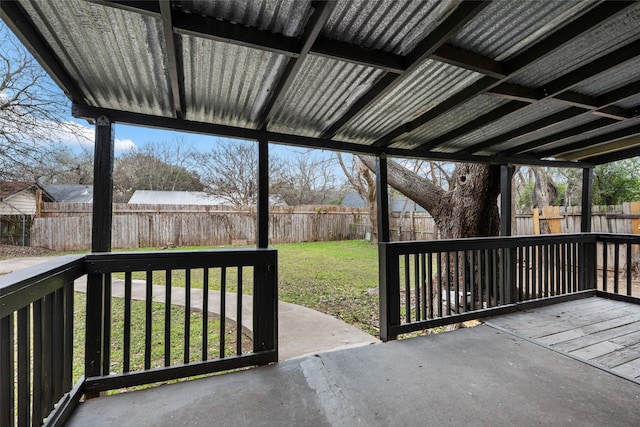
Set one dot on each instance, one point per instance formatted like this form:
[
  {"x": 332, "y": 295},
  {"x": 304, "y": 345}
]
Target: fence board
[{"x": 67, "y": 226}]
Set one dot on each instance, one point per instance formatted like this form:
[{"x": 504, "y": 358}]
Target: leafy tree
[{"x": 617, "y": 182}]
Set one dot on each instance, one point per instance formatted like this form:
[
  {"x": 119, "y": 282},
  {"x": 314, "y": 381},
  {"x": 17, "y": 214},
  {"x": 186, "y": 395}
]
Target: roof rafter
[
  {"x": 600, "y": 139},
  {"x": 614, "y": 156},
  {"x": 466, "y": 11},
  {"x": 317, "y": 20},
  {"x": 569, "y": 32},
  {"x": 174, "y": 67},
  {"x": 13, "y": 14},
  {"x": 569, "y": 133},
  {"x": 526, "y": 129}
]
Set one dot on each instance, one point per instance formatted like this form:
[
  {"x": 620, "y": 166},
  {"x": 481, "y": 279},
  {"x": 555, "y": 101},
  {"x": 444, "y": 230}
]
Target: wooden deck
[{"x": 602, "y": 332}]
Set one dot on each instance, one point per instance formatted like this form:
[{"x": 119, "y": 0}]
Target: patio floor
[{"x": 488, "y": 375}]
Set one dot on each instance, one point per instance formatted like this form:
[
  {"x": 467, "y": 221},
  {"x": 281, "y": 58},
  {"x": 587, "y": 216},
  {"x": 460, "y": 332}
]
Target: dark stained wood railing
[
  {"x": 434, "y": 283},
  {"x": 618, "y": 255},
  {"x": 169, "y": 277},
  {"x": 36, "y": 343},
  {"x": 37, "y": 331}
]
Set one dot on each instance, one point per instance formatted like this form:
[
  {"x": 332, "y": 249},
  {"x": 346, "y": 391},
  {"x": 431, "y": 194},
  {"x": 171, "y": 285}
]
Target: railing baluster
[
  {"x": 148, "y": 320},
  {"x": 465, "y": 280},
  {"x": 187, "y": 316},
  {"x": 456, "y": 278},
  {"x": 616, "y": 267},
  {"x": 68, "y": 336},
  {"x": 629, "y": 263},
  {"x": 37, "y": 387},
  {"x": 7, "y": 391},
  {"x": 106, "y": 337},
  {"x": 472, "y": 281},
  {"x": 167, "y": 318},
  {"x": 126, "y": 329},
  {"x": 430, "y": 282},
  {"x": 416, "y": 266},
  {"x": 205, "y": 314},
  {"x": 223, "y": 310},
  {"x": 239, "y": 314},
  {"x": 47, "y": 356},
  {"x": 407, "y": 289},
  {"x": 24, "y": 367},
  {"x": 57, "y": 345},
  {"x": 439, "y": 284},
  {"x": 448, "y": 282},
  {"x": 605, "y": 265},
  {"x": 423, "y": 284}
]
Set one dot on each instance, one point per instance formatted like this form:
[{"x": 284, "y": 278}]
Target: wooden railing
[
  {"x": 37, "y": 336},
  {"x": 618, "y": 255},
  {"x": 179, "y": 338},
  {"x": 435, "y": 283}
]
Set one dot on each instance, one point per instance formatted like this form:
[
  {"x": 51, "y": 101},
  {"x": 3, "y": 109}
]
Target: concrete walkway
[{"x": 301, "y": 331}]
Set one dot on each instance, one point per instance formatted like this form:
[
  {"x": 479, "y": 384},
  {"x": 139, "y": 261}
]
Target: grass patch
[
  {"x": 336, "y": 278},
  {"x": 137, "y": 348}
]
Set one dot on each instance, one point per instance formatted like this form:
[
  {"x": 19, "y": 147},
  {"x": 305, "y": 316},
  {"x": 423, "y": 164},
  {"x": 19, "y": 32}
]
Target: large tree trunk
[{"x": 468, "y": 209}]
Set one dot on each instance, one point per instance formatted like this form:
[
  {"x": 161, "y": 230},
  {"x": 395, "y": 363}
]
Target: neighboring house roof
[
  {"x": 150, "y": 197},
  {"x": 10, "y": 189},
  {"x": 396, "y": 203},
  {"x": 68, "y": 193}
]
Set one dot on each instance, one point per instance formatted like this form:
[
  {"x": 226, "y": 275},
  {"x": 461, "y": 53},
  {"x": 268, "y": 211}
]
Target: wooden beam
[
  {"x": 317, "y": 20},
  {"x": 174, "y": 66}
]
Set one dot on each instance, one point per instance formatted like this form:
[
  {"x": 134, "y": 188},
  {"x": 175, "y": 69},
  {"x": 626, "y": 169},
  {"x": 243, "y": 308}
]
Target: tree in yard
[
  {"x": 307, "y": 180},
  {"x": 160, "y": 166},
  {"x": 230, "y": 171},
  {"x": 32, "y": 120},
  {"x": 467, "y": 208},
  {"x": 363, "y": 181}
]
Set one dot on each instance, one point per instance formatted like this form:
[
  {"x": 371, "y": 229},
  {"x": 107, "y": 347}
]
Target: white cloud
[{"x": 123, "y": 144}]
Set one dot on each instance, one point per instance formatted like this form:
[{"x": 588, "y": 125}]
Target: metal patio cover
[{"x": 500, "y": 82}]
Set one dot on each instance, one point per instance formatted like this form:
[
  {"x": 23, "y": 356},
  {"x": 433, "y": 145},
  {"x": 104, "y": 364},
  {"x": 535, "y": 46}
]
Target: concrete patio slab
[{"x": 479, "y": 376}]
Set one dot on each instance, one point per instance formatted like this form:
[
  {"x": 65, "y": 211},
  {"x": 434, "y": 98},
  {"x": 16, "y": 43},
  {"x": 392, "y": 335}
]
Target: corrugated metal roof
[
  {"x": 422, "y": 90},
  {"x": 116, "y": 57},
  {"x": 507, "y": 123},
  {"x": 479, "y": 105},
  {"x": 594, "y": 44},
  {"x": 502, "y": 29},
  {"x": 285, "y": 17},
  {"x": 390, "y": 26},
  {"x": 321, "y": 93},
  {"x": 365, "y": 76},
  {"x": 226, "y": 83}
]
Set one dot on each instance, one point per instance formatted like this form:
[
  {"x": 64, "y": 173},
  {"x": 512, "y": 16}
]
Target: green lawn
[{"x": 339, "y": 278}]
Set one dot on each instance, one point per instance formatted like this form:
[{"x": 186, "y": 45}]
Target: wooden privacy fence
[
  {"x": 619, "y": 219},
  {"x": 67, "y": 226}
]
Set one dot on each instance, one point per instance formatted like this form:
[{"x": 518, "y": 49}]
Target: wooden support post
[
  {"x": 587, "y": 197},
  {"x": 262, "y": 240},
  {"x": 98, "y": 290},
  {"x": 382, "y": 193},
  {"x": 508, "y": 256},
  {"x": 588, "y": 263},
  {"x": 506, "y": 195},
  {"x": 388, "y": 269}
]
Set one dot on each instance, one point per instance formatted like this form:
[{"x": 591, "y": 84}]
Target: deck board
[{"x": 598, "y": 330}]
